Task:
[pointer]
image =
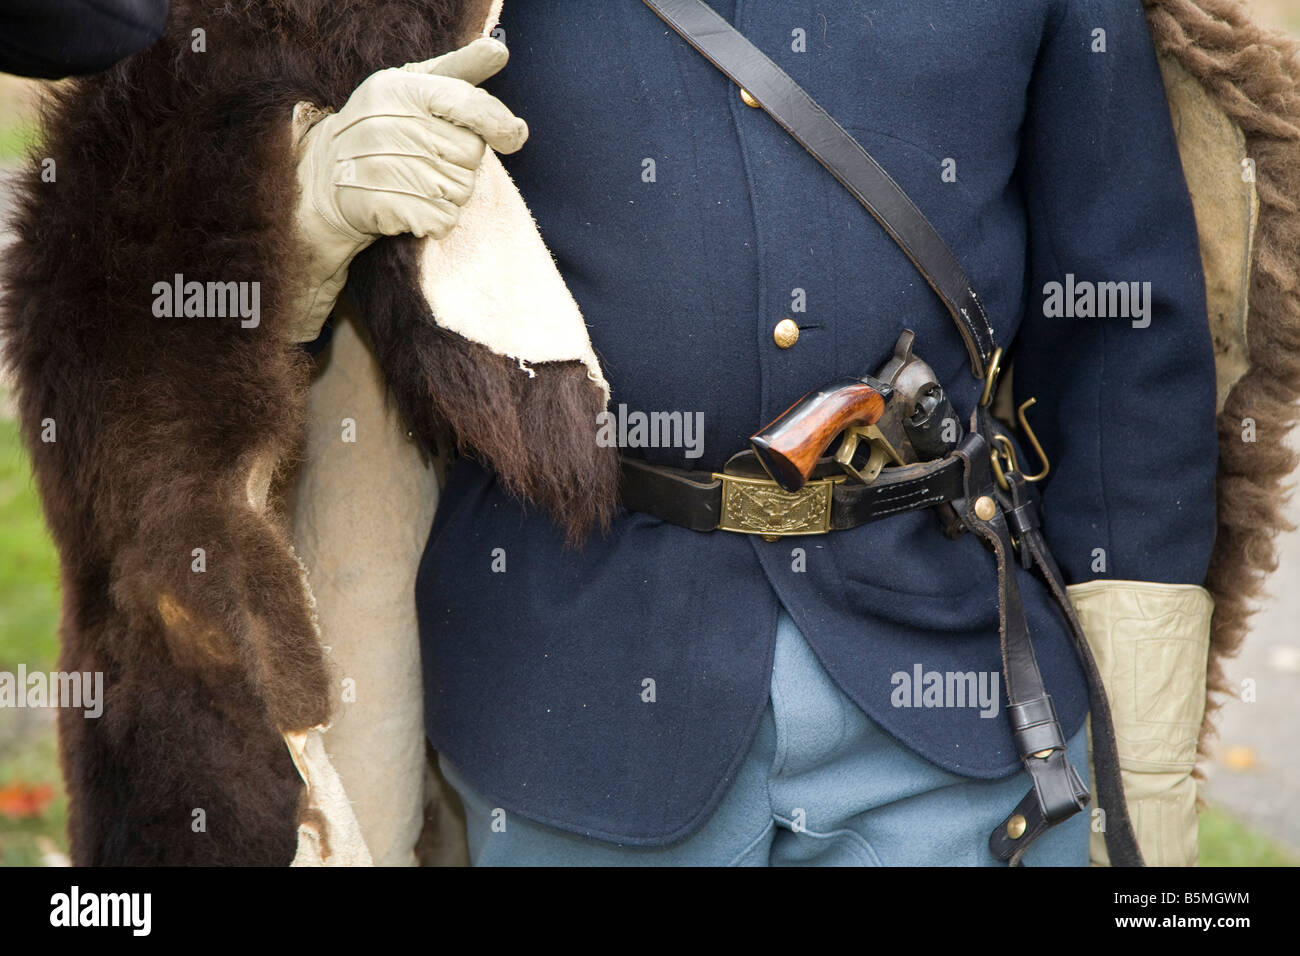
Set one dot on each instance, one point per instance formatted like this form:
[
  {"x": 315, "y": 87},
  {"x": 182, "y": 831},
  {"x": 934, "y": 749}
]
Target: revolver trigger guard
[{"x": 882, "y": 452}]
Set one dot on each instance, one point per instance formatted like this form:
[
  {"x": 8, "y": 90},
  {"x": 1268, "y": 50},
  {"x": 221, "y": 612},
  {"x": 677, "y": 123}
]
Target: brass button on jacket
[
  {"x": 748, "y": 98},
  {"x": 786, "y": 333}
]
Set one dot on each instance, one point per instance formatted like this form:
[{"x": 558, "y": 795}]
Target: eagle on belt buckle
[{"x": 761, "y": 506}]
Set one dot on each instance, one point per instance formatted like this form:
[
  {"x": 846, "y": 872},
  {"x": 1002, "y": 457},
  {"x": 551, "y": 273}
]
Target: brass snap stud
[
  {"x": 985, "y": 509},
  {"x": 748, "y": 98},
  {"x": 786, "y": 333},
  {"x": 1016, "y": 827}
]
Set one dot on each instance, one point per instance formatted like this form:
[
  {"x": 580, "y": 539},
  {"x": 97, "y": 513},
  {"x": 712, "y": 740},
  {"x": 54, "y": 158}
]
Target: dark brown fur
[{"x": 181, "y": 162}]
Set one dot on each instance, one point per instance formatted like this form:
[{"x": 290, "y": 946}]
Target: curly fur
[
  {"x": 178, "y": 161},
  {"x": 1254, "y": 75}
]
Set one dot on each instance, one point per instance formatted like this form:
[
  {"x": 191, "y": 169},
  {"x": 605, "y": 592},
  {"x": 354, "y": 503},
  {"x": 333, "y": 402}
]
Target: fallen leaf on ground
[{"x": 20, "y": 800}]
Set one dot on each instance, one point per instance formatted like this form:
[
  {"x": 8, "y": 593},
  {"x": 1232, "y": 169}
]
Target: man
[
  {"x": 660, "y": 694},
  {"x": 668, "y": 696}
]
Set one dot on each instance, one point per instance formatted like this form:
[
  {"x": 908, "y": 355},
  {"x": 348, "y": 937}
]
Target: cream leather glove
[
  {"x": 400, "y": 157},
  {"x": 1151, "y": 642}
]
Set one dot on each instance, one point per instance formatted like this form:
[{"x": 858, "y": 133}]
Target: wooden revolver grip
[{"x": 791, "y": 444}]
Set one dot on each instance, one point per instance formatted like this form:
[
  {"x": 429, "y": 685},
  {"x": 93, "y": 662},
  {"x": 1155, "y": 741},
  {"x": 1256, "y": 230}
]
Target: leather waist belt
[{"x": 740, "y": 500}]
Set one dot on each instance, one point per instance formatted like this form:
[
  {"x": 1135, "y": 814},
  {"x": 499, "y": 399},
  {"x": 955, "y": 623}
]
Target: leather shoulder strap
[{"x": 844, "y": 158}]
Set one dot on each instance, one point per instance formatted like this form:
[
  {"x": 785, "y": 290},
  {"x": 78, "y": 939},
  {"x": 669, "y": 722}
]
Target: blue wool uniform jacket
[{"x": 687, "y": 226}]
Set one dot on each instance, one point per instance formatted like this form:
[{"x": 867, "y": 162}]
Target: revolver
[{"x": 902, "y": 414}]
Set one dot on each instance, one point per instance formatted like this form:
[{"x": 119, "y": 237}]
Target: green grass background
[
  {"x": 29, "y": 602},
  {"x": 15, "y": 140}
]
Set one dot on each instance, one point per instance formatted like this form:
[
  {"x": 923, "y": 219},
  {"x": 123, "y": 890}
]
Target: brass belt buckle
[{"x": 761, "y": 506}]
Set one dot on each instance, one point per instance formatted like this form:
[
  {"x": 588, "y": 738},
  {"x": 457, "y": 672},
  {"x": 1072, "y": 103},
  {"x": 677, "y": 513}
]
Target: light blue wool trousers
[{"x": 822, "y": 785}]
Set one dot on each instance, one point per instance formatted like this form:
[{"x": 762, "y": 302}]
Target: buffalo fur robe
[{"x": 171, "y": 433}]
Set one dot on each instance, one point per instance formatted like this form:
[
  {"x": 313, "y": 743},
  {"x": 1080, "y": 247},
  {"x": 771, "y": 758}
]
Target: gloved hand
[
  {"x": 400, "y": 157},
  {"x": 1151, "y": 642}
]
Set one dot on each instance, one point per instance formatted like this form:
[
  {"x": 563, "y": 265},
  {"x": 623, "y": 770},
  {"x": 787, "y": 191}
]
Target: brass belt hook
[
  {"x": 1007, "y": 451},
  {"x": 991, "y": 378}
]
